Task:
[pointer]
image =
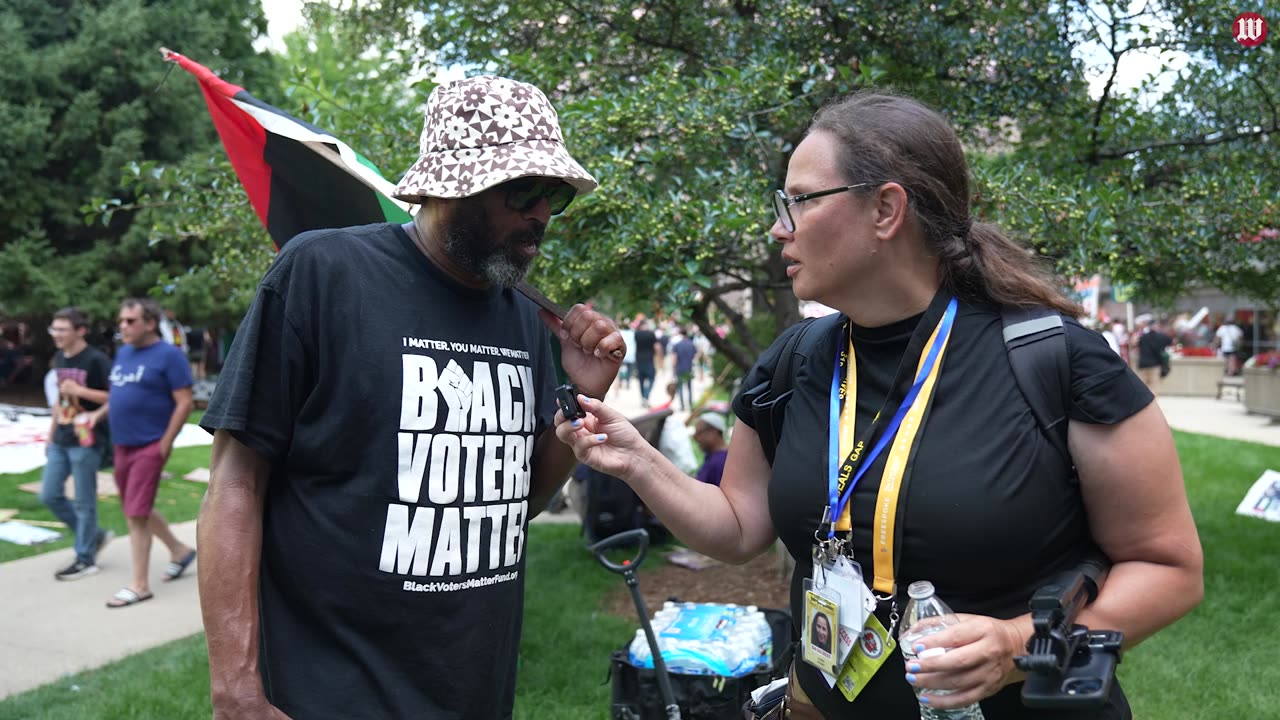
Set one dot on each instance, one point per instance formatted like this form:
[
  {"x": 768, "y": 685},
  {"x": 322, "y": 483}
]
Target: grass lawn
[
  {"x": 1220, "y": 661},
  {"x": 1202, "y": 668},
  {"x": 177, "y": 499}
]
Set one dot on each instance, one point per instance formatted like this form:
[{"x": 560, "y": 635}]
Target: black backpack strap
[
  {"x": 1036, "y": 342},
  {"x": 769, "y": 406}
]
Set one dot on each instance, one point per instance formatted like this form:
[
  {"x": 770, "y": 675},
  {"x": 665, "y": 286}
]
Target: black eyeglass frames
[{"x": 782, "y": 202}]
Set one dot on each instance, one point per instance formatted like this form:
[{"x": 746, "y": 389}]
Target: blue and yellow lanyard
[{"x": 907, "y": 419}]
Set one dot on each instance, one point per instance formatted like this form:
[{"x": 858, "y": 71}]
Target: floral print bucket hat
[{"x": 483, "y": 131}]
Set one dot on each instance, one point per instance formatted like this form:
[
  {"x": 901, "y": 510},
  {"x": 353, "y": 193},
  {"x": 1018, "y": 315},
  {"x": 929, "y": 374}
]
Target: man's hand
[
  {"x": 70, "y": 388},
  {"x": 591, "y": 348},
  {"x": 166, "y": 448}
]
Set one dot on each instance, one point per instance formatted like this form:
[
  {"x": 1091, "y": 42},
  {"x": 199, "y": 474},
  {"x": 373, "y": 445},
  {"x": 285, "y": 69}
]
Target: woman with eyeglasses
[{"x": 909, "y": 450}]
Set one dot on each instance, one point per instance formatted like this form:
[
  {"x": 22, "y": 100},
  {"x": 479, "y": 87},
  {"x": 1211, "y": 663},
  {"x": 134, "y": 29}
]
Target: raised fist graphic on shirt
[{"x": 455, "y": 387}]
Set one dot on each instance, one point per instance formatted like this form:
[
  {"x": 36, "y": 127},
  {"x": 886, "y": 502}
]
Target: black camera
[{"x": 1068, "y": 665}]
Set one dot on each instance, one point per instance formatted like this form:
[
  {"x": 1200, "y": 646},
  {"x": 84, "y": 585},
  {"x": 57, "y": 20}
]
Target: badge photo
[{"x": 822, "y": 616}]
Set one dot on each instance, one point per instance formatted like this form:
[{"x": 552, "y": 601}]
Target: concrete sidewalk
[
  {"x": 1222, "y": 418},
  {"x": 49, "y": 629}
]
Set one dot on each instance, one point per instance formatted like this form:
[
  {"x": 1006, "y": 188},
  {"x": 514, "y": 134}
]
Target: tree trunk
[
  {"x": 742, "y": 356},
  {"x": 784, "y": 306}
]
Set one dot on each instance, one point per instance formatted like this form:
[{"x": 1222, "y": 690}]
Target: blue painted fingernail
[
  {"x": 915, "y": 667},
  {"x": 911, "y": 678},
  {"x": 924, "y": 699},
  {"x": 577, "y": 423},
  {"x": 600, "y": 438},
  {"x": 919, "y": 647}
]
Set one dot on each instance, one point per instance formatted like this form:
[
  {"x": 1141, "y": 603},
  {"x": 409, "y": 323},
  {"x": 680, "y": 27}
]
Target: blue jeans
[
  {"x": 647, "y": 374},
  {"x": 81, "y": 515},
  {"x": 684, "y": 389}
]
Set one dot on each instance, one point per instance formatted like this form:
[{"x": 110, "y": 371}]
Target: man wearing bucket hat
[{"x": 379, "y": 436}]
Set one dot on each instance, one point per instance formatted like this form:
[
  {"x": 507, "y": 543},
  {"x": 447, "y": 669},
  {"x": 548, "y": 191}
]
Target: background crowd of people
[
  {"x": 679, "y": 350},
  {"x": 25, "y": 357},
  {"x": 1149, "y": 343},
  {"x": 122, "y": 410}
]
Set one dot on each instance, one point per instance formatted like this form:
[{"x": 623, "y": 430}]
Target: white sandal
[{"x": 126, "y": 597}]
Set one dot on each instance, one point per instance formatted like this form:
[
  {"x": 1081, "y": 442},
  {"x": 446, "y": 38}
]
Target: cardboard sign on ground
[
  {"x": 1263, "y": 499},
  {"x": 684, "y": 557},
  {"x": 106, "y": 485},
  {"x": 22, "y": 534}
]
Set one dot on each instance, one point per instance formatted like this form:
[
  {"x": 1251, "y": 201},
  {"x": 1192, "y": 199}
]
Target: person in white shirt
[
  {"x": 1109, "y": 335},
  {"x": 628, "y": 362},
  {"x": 1227, "y": 341},
  {"x": 1121, "y": 334}
]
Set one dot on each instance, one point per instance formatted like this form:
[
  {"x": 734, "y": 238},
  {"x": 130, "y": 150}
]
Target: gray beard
[
  {"x": 467, "y": 242},
  {"x": 495, "y": 265}
]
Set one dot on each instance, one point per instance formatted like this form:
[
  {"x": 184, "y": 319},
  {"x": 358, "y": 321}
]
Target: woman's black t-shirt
[{"x": 989, "y": 512}]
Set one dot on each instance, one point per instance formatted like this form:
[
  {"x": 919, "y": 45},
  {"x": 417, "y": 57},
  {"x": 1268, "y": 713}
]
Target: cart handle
[{"x": 639, "y": 535}]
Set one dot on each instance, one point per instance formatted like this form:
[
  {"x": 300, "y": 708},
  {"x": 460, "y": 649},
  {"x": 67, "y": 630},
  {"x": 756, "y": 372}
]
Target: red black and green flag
[{"x": 298, "y": 177}]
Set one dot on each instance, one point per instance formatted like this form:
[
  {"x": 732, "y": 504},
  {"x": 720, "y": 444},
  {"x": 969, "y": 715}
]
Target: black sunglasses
[{"x": 524, "y": 194}]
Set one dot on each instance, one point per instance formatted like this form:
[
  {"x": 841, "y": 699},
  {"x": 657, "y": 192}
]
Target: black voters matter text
[{"x": 464, "y": 450}]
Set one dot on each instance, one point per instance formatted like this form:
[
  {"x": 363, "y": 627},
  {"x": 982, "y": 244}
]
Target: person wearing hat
[
  {"x": 380, "y": 436},
  {"x": 708, "y": 432}
]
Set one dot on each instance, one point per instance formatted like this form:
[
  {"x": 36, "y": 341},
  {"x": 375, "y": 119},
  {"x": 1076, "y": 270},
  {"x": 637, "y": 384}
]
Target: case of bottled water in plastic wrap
[{"x": 716, "y": 654}]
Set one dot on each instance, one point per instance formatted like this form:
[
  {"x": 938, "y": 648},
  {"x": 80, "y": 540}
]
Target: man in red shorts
[{"x": 150, "y": 399}]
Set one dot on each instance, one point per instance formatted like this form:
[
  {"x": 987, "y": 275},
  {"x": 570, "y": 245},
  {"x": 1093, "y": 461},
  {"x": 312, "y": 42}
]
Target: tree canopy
[
  {"x": 687, "y": 111},
  {"x": 82, "y": 99}
]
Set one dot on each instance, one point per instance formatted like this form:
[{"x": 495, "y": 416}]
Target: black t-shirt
[
  {"x": 89, "y": 368},
  {"x": 989, "y": 512},
  {"x": 399, "y": 410},
  {"x": 645, "y": 340},
  {"x": 1151, "y": 345}
]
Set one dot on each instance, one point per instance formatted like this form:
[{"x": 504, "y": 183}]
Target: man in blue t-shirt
[
  {"x": 685, "y": 351},
  {"x": 150, "y": 399}
]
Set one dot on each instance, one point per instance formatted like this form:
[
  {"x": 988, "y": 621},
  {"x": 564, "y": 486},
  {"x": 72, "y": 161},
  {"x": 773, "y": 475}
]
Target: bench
[{"x": 1233, "y": 383}]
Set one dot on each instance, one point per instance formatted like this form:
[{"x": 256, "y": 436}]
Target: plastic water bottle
[
  {"x": 639, "y": 651},
  {"x": 707, "y": 639},
  {"x": 927, "y": 615}
]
